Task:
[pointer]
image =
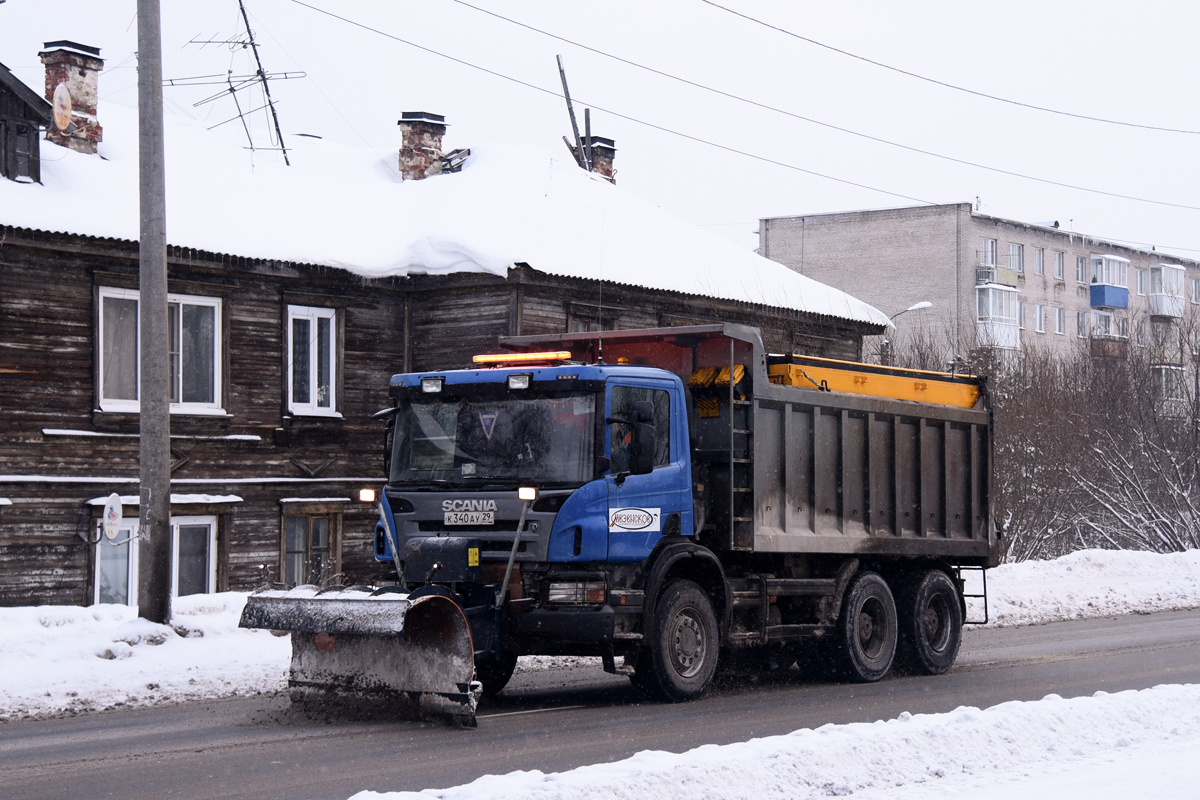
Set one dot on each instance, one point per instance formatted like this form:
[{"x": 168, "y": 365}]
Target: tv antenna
[
  {"x": 236, "y": 83},
  {"x": 582, "y": 149}
]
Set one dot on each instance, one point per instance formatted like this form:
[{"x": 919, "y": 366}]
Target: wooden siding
[{"x": 48, "y": 362}]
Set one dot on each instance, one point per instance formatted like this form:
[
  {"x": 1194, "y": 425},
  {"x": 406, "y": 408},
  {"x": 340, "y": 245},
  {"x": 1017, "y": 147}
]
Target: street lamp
[
  {"x": 885, "y": 348},
  {"x": 921, "y": 306}
]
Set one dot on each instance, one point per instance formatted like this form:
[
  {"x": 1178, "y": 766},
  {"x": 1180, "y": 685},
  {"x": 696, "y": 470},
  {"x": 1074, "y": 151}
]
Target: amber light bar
[{"x": 521, "y": 358}]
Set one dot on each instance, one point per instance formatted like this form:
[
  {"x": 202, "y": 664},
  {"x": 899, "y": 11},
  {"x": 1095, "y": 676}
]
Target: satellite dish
[
  {"x": 62, "y": 107},
  {"x": 112, "y": 513}
]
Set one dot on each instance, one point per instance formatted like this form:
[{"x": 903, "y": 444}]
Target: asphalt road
[{"x": 554, "y": 720}]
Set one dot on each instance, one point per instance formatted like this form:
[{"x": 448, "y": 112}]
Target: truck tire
[
  {"x": 931, "y": 621},
  {"x": 867, "y": 629},
  {"x": 494, "y": 673},
  {"x": 683, "y": 650}
]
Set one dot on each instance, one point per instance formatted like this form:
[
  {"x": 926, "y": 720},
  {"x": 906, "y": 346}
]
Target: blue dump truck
[{"x": 661, "y": 499}]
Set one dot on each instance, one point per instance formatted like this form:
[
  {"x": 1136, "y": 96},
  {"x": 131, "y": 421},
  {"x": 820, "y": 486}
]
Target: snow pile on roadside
[
  {"x": 1092, "y": 583},
  {"x": 883, "y": 758},
  {"x": 67, "y": 659}
]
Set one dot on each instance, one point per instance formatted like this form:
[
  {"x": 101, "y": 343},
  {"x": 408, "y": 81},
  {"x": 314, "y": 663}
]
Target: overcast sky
[{"x": 1121, "y": 61}]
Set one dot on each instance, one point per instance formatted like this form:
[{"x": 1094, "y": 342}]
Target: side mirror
[{"x": 643, "y": 446}]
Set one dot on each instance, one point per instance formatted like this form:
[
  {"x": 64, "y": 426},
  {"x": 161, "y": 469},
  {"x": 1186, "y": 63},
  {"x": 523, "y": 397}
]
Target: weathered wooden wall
[
  {"x": 48, "y": 361},
  {"x": 48, "y": 318}
]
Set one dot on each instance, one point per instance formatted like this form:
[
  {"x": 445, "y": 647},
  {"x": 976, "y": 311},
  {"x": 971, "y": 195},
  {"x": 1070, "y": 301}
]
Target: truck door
[{"x": 640, "y": 507}]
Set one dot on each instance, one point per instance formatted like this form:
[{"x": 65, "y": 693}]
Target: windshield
[{"x": 540, "y": 438}]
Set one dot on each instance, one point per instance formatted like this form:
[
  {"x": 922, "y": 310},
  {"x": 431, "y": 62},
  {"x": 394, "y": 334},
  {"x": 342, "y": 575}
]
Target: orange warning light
[{"x": 521, "y": 358}]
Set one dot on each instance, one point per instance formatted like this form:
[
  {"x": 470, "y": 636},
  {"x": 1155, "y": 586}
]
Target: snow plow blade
[{"x": 352, "y": 647}]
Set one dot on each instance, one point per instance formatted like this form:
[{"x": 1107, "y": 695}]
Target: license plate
[{"x": 469, "y": 518}]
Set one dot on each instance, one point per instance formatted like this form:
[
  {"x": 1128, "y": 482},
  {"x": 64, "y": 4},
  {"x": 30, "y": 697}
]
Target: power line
[
  {"x": 830, "y": 126},
  {"x": 944, "y": 84},
  {"x": 616, "y": 114}
]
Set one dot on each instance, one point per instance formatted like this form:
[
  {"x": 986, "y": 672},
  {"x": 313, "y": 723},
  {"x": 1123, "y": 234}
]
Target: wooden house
[{"x": 277, "y": 365}]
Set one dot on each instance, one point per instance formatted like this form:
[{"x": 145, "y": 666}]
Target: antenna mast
[
  {"x": 262, "y": 77},
  {"x": 235, "y": 83},
  {"x": 581, "y": 155}
]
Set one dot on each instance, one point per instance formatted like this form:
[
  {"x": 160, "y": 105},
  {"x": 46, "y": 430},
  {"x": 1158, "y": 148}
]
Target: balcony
[
  {"x": 1166, "y": 290},
  {"x": 1163, "y": 355},
  {"x": 1003, "y": 334},
  {"x": 996, "y": 275},
  {"x": 1166, "y": 305},
  {"x": 1107, "y": 296},
  {"x": 1109, "y": 346}
]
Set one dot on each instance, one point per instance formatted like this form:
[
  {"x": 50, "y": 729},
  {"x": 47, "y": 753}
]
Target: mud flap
[{"x": 413, "y": 659}]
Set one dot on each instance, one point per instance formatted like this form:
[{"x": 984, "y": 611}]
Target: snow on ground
[
  {"x": 1131, "y": 744},
  {"x": 65, "y": 659},
  {"x": 1092, "y": 583}
]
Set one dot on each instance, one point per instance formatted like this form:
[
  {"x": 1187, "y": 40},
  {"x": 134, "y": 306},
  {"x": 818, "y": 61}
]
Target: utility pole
[{"x": 154, "y": 455}]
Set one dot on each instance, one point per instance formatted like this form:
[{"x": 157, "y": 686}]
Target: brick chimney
[
  {"x": 604, "y": 151},
  {"x": 420, "y": 144},
  {"x": 72, "y": 70}
]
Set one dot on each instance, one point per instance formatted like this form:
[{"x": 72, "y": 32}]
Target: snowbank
[
  {"x": 67, "y": 659},
  {"x": 963, "y": 750},
  {"x": 1093, "y": 583}
]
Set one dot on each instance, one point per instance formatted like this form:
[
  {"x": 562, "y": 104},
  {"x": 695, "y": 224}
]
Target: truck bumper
[{"x": 567, "y": 624}]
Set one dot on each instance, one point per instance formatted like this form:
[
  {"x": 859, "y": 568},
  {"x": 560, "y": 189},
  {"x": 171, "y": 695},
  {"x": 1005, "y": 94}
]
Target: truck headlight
[{"x": 577, "y": 593}]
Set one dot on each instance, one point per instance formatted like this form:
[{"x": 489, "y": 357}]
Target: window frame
[
  {"x": 211, "y": 567},
  {"x": 127, "y": 406},
  {"x": 987, "y": 252},
  {"x": 20, "y": 138},
  {"x": 1039, "y": 318},
  {"x": 1141, "y": 282},
  {"x": 1081, "y": 269},
  {"x": 1039, "y": 261},
  {"x": 1060, "y": 259},
  {"x": 665, "y": 453},
  {"x": 1083, "y": 324},
  {"x": 332, "y": 510},
  {"x": 1016, "y": 257},
  {"x": 313, "y": 314},
  {"x": 1060, "y": 320},
  {"x": 129, "y": 529}
]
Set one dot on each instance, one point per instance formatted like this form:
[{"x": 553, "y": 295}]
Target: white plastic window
[
  {"x": 193, "y": 555},
  {"x": 312, "y": 360},
  {"x": 116, "y": 571},
  {"x": 193, "y": 343},
  {"x": 987, "y": 252},
  {"x": 1016, "y": 257}
]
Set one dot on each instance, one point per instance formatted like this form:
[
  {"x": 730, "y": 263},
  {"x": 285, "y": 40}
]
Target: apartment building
[{"x": 1001, "y": 284}]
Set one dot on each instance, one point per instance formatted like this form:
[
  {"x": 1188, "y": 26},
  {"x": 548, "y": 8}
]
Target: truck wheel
[
  {"x": 683, "y": 650},
  {"x": 867, "y": 628},
  {"x": 931, "y": 622},
  {"x": 494, "y": 673}
]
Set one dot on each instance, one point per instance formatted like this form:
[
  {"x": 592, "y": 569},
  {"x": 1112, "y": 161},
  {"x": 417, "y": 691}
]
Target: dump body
[{"x": 843, "y": 473}]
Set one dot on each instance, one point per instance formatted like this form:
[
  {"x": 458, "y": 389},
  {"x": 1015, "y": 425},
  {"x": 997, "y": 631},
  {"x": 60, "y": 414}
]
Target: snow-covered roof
[
  {"x": 176, "y": 499},
  {"x": 347, "y": 208}
]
